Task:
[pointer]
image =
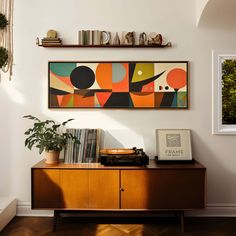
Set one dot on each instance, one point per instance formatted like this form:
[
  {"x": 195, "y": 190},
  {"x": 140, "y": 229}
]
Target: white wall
[{"x": 27, "y": 93}]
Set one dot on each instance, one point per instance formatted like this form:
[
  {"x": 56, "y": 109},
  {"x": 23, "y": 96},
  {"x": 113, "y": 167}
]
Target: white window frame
[{"x": 217, "y": 58}]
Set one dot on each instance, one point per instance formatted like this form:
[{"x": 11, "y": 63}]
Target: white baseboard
[
  {"x": 212, "y": 210},
  {"x": 24, "y": 209},
  {"x": 215, "y": 210}
]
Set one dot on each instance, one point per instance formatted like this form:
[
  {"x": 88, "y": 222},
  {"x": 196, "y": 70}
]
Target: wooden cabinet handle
[{"x": 121, "y": 189}]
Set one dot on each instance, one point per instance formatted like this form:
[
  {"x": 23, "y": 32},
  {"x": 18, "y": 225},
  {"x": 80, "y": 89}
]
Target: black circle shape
[{"x": 82, "y": 77}]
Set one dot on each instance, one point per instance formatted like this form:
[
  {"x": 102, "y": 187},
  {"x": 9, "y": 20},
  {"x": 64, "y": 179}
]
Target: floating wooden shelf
[{"x": 105, "y": 46}]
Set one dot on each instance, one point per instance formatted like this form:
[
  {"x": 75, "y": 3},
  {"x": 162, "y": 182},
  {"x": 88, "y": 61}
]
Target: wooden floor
[{"x": 42, "y": 226}]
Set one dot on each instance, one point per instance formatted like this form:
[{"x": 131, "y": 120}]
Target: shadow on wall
[
  {"x": 218, "y": 14},
  {"x": 110, "y": 141},
  {"x": 131, "y": 137},
  {"x": 138, "y": 127},
  {"x": 219, "y": 188}
]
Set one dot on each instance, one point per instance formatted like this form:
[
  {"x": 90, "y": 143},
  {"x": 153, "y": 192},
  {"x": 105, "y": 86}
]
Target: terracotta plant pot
[{"x": 52, "y": 157}]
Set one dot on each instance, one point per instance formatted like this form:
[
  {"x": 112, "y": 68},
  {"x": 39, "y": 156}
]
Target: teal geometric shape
[
  {"x": 118, "y": 72},
  {"x": 131, "y": 104},
  {"x": 174, "y": 101},
  {"x": 182, "y": 99},
  {"x": 62, "y": 69}
]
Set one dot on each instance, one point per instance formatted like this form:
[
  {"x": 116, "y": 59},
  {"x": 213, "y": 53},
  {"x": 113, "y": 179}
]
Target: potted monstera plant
[{"x": 48, "y": 136}]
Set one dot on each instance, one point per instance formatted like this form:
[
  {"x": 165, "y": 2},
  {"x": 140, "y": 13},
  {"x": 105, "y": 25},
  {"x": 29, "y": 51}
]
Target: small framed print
[{"x": 173, "y": 145}]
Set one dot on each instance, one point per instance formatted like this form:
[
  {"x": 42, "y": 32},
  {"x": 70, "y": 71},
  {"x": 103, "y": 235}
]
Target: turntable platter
[{"x": 117, "y": 151}]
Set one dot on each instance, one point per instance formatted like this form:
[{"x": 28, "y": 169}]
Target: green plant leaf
[
  {"x": 31, "y": 117},
  {"x": 41, "y": 150},
  {"x": 55, "y": 127},
  {"x": 28, "y": 131},
  {"x": 46, "y": 135},
  {"x": 65, "y": 122}
]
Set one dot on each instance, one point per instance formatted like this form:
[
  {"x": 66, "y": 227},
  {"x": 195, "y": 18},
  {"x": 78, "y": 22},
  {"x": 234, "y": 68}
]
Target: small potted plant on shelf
[{"x": 49, "y": 137}]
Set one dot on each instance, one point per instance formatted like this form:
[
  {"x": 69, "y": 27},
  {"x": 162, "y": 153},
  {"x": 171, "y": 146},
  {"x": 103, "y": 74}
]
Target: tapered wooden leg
[
  {"x": 182, "y": 220},
  {"x": 56, "y": 216}
]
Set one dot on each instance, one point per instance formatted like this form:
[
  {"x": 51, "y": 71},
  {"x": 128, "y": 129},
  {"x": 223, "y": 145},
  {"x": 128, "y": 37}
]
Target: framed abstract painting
[{"x": 153, "y": 85}]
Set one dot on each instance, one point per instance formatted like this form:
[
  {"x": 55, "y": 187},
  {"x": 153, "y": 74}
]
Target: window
[{"x": 224, "y": 92}]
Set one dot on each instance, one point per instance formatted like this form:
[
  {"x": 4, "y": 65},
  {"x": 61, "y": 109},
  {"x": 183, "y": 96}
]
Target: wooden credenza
[{"x": 173, "y": 187}]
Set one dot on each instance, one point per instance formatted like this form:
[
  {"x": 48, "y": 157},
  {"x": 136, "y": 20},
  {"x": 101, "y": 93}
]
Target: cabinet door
[
  {"x": 162, "y": 189},
  {"x": 139, "y": 189},
  {"x": 74, "y": 187},
  {"x": 104, "y": 189},
  {"x": 46, "y": 192}
]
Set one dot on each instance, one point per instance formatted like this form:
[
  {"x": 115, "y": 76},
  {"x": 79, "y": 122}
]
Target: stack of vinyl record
[
  {"x": 51, "y": 41},
  {"x": 88, "y": 149}
]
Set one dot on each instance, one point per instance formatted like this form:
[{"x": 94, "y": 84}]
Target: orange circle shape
[
  {"x": 177, "y": 78},
  {"x": 104, "y": 75}
]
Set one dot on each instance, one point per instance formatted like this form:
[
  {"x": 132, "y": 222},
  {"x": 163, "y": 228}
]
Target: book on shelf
[
  {"x": 51, "y": 41},
  {"x": 45, "y": 44},
  {"x": 96, "y": 34},
  {"x": 84, "y": 36},
  {"x": 87, "y": 151},
  {"x": 81, "y": 37},
  {"x": 89, "y": 37}
]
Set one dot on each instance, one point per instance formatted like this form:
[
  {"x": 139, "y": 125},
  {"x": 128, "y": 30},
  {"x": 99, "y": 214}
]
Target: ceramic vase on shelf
[
  {"x": 143, "y": 39},
  {"x": 116, "y": 40}
]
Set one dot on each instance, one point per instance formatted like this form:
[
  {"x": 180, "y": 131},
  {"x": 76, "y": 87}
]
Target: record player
[{"x": 124, "y": 157}]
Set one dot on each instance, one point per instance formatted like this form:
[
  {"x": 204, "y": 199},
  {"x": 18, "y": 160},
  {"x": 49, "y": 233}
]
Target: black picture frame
[{"x": 152, "y": 91}]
